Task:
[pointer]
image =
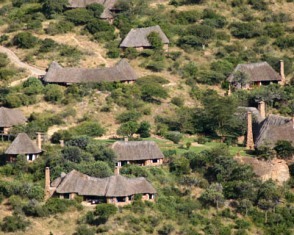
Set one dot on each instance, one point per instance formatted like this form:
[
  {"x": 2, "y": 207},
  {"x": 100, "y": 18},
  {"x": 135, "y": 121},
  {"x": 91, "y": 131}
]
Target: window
[
  {"x": 154, "y": 160},
  {"x": 30, "y": 157}
]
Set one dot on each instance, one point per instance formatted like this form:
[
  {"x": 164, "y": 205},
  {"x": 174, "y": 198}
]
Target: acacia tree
[
  {"x": 213, "y": 195},
  {"x": 155, "y": 40}
]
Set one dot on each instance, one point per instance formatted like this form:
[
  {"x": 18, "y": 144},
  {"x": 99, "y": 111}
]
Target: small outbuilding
[
  {"x": 121, "y": 72},
  {"x": 144, "y": 153},
  {"x": 138, "y": 38},
  {"x": 255, "y": 74},
  {"x": 10, "y": 118},
  {"x": 23, "y": 145},
  {"x": 116, "y": 189}
]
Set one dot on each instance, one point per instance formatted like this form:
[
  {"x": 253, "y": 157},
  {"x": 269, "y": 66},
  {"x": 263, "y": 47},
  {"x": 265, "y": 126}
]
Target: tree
[
  {"x": 284, "y": 149},
  {"x": 240, "y": 78},
  {"x": 14, "y": 223},
  {"x": 96, "y": 8},
  {"x": 89, "y": 128},
  {"x": 180, "y": 166},
  {"x": 72, "y": 153},
  {"x": 245, "y": 205},
  {"x": 128, "y": 129},
  {"x": 51, "y": 7},
  {"x": 144, "y": 129},
  {"x": 213, "y": 195},
  {"x": 155, "y": 40}
]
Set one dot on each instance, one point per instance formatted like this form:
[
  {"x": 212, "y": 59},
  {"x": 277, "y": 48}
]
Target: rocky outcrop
[{"x": 276, "y": 169}]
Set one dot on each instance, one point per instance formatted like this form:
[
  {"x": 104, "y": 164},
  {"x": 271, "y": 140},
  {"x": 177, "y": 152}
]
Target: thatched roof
[
  {"x": 114, "y": 186},
  {"x": 22, "y": 144},
  {"x": 136, "y": 150},
  {"x": 256, "y": 72},
  {"x": 11, "y": 117},
  {"x": 138, "y": 37},
  {"x": 108, "y": 4},
  {"x": 274, "y": 128},
  {"x": 122, "y": 71},
  {"x": 106, "y": 14}
]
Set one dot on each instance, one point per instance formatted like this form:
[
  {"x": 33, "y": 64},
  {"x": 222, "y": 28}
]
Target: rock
[{"x": 276, "y": 169}]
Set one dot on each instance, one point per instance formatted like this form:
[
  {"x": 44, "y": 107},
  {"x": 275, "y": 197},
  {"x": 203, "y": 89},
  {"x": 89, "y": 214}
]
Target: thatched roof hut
[
  {"x": 138, "y": 37},
  {"x": 274, "y": 128},
  {"x": 11, "y": 117},
  {"x": 22, "y": 144},
  {"x": 257, "y": 72},
  {"x": 114, "y": 186},
  {"x": 108, "y": 4},
  {"x": 121, "y": 72},
  {"x": 136, "y": 150}
]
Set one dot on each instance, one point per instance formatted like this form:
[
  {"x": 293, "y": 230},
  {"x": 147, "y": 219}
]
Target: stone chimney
[
  {"x": 39, "y": 140},
  {"x": 47, "y": 183},
  {"x": 250, "y": 142},
  {"x": 261, "y": 109},
  {"x": 282, "y": 71},
  {"x": 61, "y": 143},
  {"x": 230, "y": 90}
]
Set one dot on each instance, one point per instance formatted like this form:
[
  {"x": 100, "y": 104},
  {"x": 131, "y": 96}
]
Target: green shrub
[
  {"x": 246, "y": 30},
  {"x": 33, "y": 86},
  {"x": 178, "y": 101},
  {"x": 6, "y": 73},
  {"x": 14, "y": 223},
  {"x": 53, "y": 93},
  {"x": 285, "y": 42},
  {"x": 144, "y": 129},
  {"x": 60, "y": 27},
  {"x": 89, "y": 128},
  {"x": 3, "y": 60},
  {"x": 128, "y": 116},
  {"x": 84, "y": 230},
  {"x": 174, "y": 136},
  {"x": 179, "y": 166},
  {"x": 96, "y": 8},
  {"x": 47, "y": 45},
  {"x": 79, "y": 16},
  {"x": 25, "y": 40}
]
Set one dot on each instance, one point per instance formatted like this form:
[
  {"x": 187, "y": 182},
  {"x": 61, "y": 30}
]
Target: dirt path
[{"x": 15, "y": 60}]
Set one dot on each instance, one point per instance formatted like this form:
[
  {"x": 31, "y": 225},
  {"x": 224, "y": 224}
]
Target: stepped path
[{"x": 18, "y": 63}]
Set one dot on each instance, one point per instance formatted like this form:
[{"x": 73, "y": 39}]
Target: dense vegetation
[{"x": 180, "y": 98}]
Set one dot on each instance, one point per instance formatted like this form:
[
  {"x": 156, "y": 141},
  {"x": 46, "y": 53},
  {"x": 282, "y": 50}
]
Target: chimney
[
  {"x": 61, "y": 143},
  {"x": 230, "y": 90},
  {"x": 249, "y": 143},
  {"x": 261, "y": 109},
  {"x": 126, "y": 139},
  {"x": 47, "y": 182},
  {"x": 39, "y": 140},
  {"x": 282, "y": 72}
]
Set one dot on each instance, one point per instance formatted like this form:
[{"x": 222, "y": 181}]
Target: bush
[
  {"x": 47, "y": 45},
  {"x": 60, "y": 27},
  {"x": 246, "y": 30},
  {"x": 25, "y": 40},
  {"x": 89, "y": 128},
  {"x": 84, "y": 230},
  {"x": 3, "y": 60},
  {"x": 174, "y": 136},
  {"x": 33, "y": 86},
  {"x": 79, "y": 16},
  {"x": 179, "y": 165},
  {"x": 14, "y": 223},
  {"x": 178, "y": 101},
  {"x": 144, "y": 129},
  {"x": 128, "y": 116},
  {"x": 53, "y": 93},
  {"x": 155, "y": 40},
  {"x": 56, "y": 205},
  {"x": 97, "y": 25}
]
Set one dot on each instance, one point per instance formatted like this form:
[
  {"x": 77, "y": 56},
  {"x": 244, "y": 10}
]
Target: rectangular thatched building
[
  {"x": 10, "y": 118},
  {"x": 144, "y": 153},
  {"x": 121, "y": 72},
  {"x": 116, "y": 189}
]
